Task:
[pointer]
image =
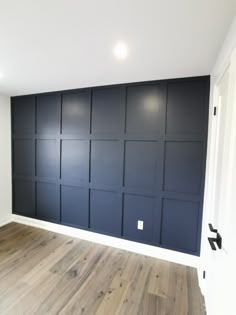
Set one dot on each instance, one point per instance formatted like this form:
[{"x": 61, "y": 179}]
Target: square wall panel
[
  {"x": 186, "y": 107},
  {"x": 108, "y": 110},
  {"x": 144, "y": 109},
  {"x": 75, "y": 160},
  {"x": 24, "y": 152},
  {"x": 74, "y": 206},
  {"x": 138, "y": 208},
  {"x": 106, "y": 162},
  {"x": 48, "y": 114},
  {"x": 183, "y": 167},
  {"x": 180, "y": 224},
  {"x": 106, "y": 212},
  {"x": 24, "y": 198},
  {"x": 76, "y": 112},
  {"x": 141, "y": 164},
  {"x": 47, "y": 156},
  {"x": 48, "y": 201},
  {"x": 24, "y": 115}
]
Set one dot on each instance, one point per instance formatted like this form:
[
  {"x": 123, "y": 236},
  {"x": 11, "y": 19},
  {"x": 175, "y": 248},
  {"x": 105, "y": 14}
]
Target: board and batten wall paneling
[{"x": 104, "y": 158}]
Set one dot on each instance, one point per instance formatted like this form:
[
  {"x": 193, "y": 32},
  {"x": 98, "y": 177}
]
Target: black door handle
[
  {"x": 215, "y": 240},
  {"x": 212, "y": 229},
  {"x": 212, "y": 242}
]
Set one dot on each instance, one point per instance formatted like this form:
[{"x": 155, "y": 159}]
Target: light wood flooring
[{"x": 47, "y": 273}]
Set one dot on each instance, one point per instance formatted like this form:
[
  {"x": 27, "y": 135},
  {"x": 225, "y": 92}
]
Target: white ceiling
[{"x": 48, "y": 45}]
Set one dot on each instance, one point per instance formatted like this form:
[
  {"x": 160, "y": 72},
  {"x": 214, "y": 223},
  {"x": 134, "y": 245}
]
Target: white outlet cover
[{"x": 140, "y": 225}]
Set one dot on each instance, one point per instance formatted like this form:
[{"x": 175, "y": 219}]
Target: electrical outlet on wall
[{"x": 140, "y": 225}]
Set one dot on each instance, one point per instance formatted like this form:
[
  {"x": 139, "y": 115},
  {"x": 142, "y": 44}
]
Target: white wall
[
  {"x": 5, "y": 160},
  {"x": 226, "y": 50}
]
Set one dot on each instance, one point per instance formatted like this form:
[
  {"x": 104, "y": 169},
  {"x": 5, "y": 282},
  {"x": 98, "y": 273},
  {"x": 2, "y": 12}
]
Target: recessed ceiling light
[{"x": 120, "y": 50}]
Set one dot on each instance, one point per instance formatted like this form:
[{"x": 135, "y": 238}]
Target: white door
[{"x": 220, "y": 293}]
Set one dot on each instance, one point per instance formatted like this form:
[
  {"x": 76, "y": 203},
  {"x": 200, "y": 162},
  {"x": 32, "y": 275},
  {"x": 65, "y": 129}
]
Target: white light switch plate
[{"x": 140, "y": 225}]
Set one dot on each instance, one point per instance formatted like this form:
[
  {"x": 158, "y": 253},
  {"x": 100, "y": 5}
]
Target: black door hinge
[{"x": 215, "y": 111}]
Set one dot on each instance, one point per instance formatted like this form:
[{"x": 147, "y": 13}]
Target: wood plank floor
[{"x": 47, "y": 273}]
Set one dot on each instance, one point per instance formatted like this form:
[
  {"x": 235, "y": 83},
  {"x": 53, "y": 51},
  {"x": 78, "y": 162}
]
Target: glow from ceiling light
[
  {"x": 120, "y": 51},
  {"x": 1, "y": 75}
]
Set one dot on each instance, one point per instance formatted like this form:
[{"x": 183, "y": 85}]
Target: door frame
[{"x": 212, "y": 149}]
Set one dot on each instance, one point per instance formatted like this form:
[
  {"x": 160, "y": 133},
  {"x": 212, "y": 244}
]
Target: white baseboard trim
[
  {"x": 148, "y": 250},
  {"x": 5, "y": 221}
]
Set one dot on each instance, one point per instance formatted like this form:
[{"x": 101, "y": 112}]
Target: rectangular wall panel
[
  {"x": 141, "y": 165},
  {"x": 47, "y": 201},
  {"x": 124, "y": 160},
  {"x": 24, "y": 157},
  {"x": 47, "y": 158},
  {"x": 108, "y": 111},
  {"x": 75, "y": 160},
  {"x": 144, "y": 107},
  {"x": 106, "y": 212},
  {"x": 139, "y": 208},
  {"x": 180, "y": 224},
  {"x": 24, "y": 197},
  {"x": 183, "y": 163},
  {"x": 106, "y": 162},
  {"x": 76, "y": 112},
  {"x": 186, "y": 108},
  {"x": 23, "y": 110},
  {"x": 75, "y": 206},
  {"x": 48, "y": 114}
]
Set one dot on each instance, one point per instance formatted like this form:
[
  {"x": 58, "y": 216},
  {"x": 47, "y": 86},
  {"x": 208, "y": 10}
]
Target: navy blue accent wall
[{"x": 104, "y": 158}]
